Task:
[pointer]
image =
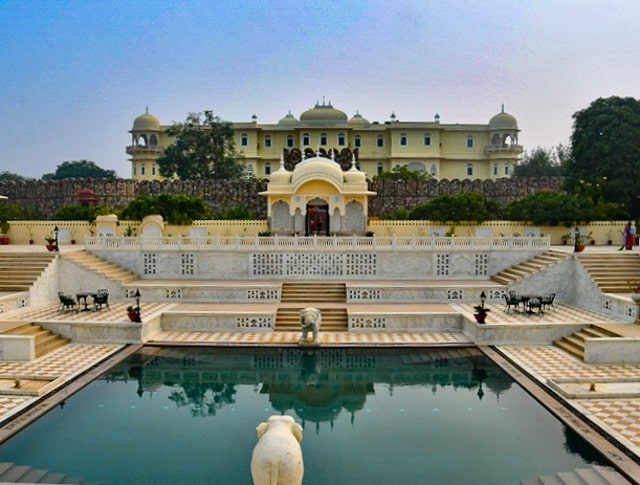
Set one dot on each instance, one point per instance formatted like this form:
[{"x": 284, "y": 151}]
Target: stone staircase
[
  {"x": 12, "y": 473},
  {"x": 527, "y": 268},
  {"x": 595, "y": 475},
  {"x": 102, "y": 267},
  {"x": 18, "y": 271},
  {"x": 574, "y": 343},
  {"x": 313, "y": 293},
  {"x": 46, "y": 340},
  {"x": 612, "y": 271},
  {"x": 321, "y": 295}
]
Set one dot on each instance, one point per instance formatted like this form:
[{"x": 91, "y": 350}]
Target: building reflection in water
[{"x": 314, "y": 384}]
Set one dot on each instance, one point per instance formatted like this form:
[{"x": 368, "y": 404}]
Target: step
[{"x": 569, "y": 348}]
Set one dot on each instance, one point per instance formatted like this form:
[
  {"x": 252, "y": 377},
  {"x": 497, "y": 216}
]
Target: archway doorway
[{"x": 317, "y": 219}]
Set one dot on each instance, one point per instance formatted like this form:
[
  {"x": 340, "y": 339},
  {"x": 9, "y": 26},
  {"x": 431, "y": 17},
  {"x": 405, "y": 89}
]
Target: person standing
[{"x": 629, "y": 236}]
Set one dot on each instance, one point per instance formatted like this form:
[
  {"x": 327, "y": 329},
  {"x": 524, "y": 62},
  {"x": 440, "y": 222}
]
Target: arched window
[
  {"x": 289, "y": 141},
  {"x": 357, "y": 141},
  {"x": 380, "y": 168},
  {"x": 153, "y": 140},
  {"x": 267, "y": 141},
  {"x": 267, "y": 168},
  {"x": 153, "y": 169},
  {"x": 143, "y": 169},
  {"x": 135, "y": 172},
  {"x": 469, "y": 169},
  {"x": 506, "y": 168},
  {"x": 306, "y": 140},
  {"x": 403, "y": 140},
  {"x": 142, "y": 141},
  {"x": 427, "y": 139},
  {"x": 323, "y": 140},
  {"x": 341, "y": 140},
  {"x": 470, "y": 141},
  {"x": 380, "y": 141},
  {"x": 495, "y": 169},
  {"x": 244, "y": 140},
  {"x": 416, "y": 167}
]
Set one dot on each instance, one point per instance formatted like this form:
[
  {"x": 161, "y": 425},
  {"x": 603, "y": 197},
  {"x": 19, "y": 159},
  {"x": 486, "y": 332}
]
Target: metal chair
[
  {"x": 547, "y": 301},
  {"x": 67, "y": 302},
  {"x": 101, "y": 298},
  {"x": 535, "y": 303},
  {"x": 512, "y": 300}
]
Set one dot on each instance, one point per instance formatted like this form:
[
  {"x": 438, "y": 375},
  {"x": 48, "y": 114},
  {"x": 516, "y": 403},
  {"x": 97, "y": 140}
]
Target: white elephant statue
[
  {"x": 277, "y": 457},
  {"x": 310, "y": 319}
]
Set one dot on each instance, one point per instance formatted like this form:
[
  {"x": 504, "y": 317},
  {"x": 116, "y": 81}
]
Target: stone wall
[{"x": 51, "y": 195}]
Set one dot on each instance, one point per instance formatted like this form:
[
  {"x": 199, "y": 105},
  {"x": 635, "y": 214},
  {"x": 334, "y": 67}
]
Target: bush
[
  {"x": 175, "y": 209},
  {"x": 471, "y": 206}
]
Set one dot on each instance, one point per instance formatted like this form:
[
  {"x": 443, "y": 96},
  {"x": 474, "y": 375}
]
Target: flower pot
[
  {"x": 51, "y": 247},
  {"x": 479, "y": 318},
  {"x": 4, "y": 239},
  {"x": 134, "y": 317}
]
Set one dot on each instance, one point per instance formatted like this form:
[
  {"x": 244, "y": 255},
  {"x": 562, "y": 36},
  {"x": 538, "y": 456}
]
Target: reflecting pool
[{"x": 188, "y": 416}]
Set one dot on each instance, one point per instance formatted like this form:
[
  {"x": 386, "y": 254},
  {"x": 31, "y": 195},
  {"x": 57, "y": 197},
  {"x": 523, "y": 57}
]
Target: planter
[
  {"x": 580, "y": 248},
  {"x": 479, "y": 318},
  {"x": 51, "y": 247},
  {"x": 134, "y": 317},
  {"x": 4, "y": 239},
  {"x": 30, "y": 241}
]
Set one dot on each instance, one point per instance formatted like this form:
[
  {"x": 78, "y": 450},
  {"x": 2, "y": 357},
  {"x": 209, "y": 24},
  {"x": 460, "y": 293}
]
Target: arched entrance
[{"x": 317, "y": 219}]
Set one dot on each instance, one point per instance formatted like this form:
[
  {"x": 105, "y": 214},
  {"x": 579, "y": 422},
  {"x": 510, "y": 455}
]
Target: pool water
[{"x": 188, "y": 416}]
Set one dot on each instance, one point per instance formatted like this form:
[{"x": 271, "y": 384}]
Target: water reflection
[{"x": 315, "y": 384}]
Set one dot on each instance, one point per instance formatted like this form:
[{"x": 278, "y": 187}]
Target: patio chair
[
  {"x": 101, "y": 298},
  {"x": 547, "y": 301},
  {"x": 512, "y": 300},
  {"x": 67, "y": 302},
  {"x": 535, "y": 303}
]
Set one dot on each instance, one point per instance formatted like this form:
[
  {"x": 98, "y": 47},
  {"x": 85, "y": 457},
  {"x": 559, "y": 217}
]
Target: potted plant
[
  {"x": 4, "y": 230},
  {"x": 565, "y": 238},
  {"x": 51, "y": 243},
  {"x": 134, "y": 313},
  {"x": 481, "y": 313},
  {"x": 30, "y": 234}
]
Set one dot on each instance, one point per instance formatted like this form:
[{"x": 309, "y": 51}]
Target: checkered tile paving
[
  {"x": 619, "y": 417},
  {"x": 560, "y": 314},
  {"x": 327, "y": 338},
  {"x": 65, "y": 362}
]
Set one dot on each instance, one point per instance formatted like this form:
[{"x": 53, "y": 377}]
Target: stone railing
[{"x": 282, "y": 243}]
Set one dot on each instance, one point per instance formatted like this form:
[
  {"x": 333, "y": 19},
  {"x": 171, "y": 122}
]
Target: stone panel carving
[
  {"x": 359, "y": 294},
  {"x": 259, "y": 294},
  {"x": 367, "y": 322},
  {"x": 254, "y": 322},
  {"x": 187, "y": 264},
  {"x": 149, "y": 263},
  {"x": 443, "y": 264}
]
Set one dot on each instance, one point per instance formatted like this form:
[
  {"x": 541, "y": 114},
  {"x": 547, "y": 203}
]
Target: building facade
[{"x": 444, "y": 151}]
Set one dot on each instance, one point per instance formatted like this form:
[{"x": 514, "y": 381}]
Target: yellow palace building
[{"x": 445, "y": 151}]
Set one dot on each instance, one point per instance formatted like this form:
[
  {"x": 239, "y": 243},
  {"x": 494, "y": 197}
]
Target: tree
[
  {"x": 470, "y": 206},
  {"x": 175, "y": 209},
  {"x": 204, "y": 149},
  {"x": 12, "y": 177},
  {"x": 79, "y": 169},
  {"x": 541, "y": 162},
  {"x": 79, "y": 213},
  {"x": 606, "y": 143},
  {"x": 402, "y": 172},
  {"x": 551, "y": 209}
]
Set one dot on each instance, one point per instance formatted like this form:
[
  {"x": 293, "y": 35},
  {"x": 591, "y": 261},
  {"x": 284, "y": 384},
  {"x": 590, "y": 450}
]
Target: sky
[{"x": 75, "y": 74}]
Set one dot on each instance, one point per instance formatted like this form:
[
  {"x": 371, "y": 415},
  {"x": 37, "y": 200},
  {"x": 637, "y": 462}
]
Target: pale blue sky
[{"x": 75, "y": 73}]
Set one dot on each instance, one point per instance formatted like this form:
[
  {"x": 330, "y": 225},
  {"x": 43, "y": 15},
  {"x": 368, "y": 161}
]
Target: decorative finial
[
  {"x": 353, "y": 162},
  {"x": 333, "y": 155},
  {"x": 282, "y": 161},
  {"x": 502, "y": 107},
  {"x": 146, "y": 111},
  {"x": 437, "y": 118}
]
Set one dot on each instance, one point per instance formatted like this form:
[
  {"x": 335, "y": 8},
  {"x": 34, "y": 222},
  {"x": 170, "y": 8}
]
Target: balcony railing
[
  {"x": 315, "y": 243},
  {"x": 504, "y": 149},
  {"x": 131, "y": 149}
]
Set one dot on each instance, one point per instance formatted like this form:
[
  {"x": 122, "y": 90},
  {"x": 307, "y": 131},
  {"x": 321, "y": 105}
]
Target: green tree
[
  {"x": 175, "y": 209},
  {"x": 12, "y": 177},
  {"x": 13, "y": 211},
  {"x": 606, "y": 143},
  {"x": 540, "y": 162},
  {"x": 204, "y": 149},
  {"x": 79, "y": 169},
  {"x": 79, "y": 213},
  {"x": 470, "y": 206},
  {"x": 402, "y": 172},
  {"x": 551, "y": 209}
]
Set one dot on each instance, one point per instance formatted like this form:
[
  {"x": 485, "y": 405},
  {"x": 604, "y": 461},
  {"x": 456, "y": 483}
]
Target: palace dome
[
  {"x": 146, "y": 122},
  {"x": 353, "y": 175},
  {"x": 289, "y": 119},
  {"x": 317, "y": 168},
  {"x": 323, "y": 112},
  {"x": 503, "y": 121},
  {"x": 358, "y": 120}
]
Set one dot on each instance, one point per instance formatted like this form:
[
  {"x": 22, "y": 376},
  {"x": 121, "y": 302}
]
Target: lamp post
[
  {"x": 576, "y": 242},
  {"x": 137, "y": 297},
  {"x": 55, "y": 237},
  {"x": 483, "y": 298}
]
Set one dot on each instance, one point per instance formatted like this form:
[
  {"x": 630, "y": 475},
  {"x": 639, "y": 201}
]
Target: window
[
  {"x": 380, "y": 141},
  {"x": 506, "y": 169},
  {"x": 469, "y": 169},
  {"x": 306, "y": 140},
  {"x": 134, "y": 171},
  {"x": 403, "y": 139},
  {"x": 380, "y": 168},
  {"x": 434, "y": 171},
  {"x": 267, "y": 168},
  {"x": 357, "y": 141},
  {"x": 153, "y": 169},
  {"x": 142, "y": 169},
  {"x": 289, "y": 141},
  {"x": 153, "y": 140},
  {"x": 323, "y": 140},
  {"x": 495, "y": 169},
  {"x": 244, "y": 140},
  {"x": 267, "y": 141},
  {"x": 469, "y": 141},
  {"x": 250, "y": 170},
  {"x": 427, "y": 139},
  {"x": 341, "y": 140}
]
